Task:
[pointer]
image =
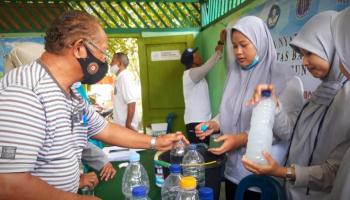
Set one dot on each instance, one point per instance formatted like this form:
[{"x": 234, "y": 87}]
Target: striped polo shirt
[{"x": 42, "y": 130}]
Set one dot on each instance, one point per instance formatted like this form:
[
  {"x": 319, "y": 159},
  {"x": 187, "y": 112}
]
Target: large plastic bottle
[
  {"x": 177, "y": 153},
  {"x": 172, "y": 183},
  {"x": 260, "y": 133},
  {"x": 206, "y": 193},
  {"x": 140, "y": 193},
  {"x": 134, "y": 175},
  {"x": 188, "y": 190},
  {"x": 192, "y": 165}
]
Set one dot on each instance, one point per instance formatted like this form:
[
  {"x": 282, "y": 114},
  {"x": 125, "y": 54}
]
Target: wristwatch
[
  {"x": 290, "y": 176},
  {"x": 153, "y": 143}
]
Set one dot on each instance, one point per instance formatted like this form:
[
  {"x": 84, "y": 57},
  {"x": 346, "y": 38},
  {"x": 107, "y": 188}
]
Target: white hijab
[
  {"x": 340, "y": 31},
  {"x": 315, "y": 36},
  {"x": 240, "y": 84}
]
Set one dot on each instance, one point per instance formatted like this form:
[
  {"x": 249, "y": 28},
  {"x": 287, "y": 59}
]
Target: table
[{"x": 112, "y": 189}]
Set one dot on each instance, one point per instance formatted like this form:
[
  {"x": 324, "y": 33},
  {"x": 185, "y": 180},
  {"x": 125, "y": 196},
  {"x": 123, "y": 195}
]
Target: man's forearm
[
  {"x": 130, "y": 115},
  {"x": 120, "y": 136},
  {"x": 18, "y": 186}
]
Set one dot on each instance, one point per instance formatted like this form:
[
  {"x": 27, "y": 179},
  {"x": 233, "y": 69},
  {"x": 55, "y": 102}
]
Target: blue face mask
[{"x": 252, "y": 64}]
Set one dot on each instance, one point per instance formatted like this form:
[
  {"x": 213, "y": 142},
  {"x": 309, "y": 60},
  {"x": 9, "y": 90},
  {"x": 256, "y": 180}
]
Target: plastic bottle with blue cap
[
  {"x": 260, "y": 133},
  {"x": 134, "y": 175},
  {"x": 206, "y": 193},
  {"x": 171, "y": 187},
  {"x": 140, "y": 193}
]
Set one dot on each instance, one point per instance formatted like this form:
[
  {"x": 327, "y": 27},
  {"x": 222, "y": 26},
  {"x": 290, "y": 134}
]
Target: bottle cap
[
  {"x": 206, "y": 193},
  {"x": 192, "y": 147},
  {"x": 175, "y": 168},
  {"x": 188, "y": 183},
  {"x": 134, "y": 157},
  {"x": 204, "y": 127},
  {"x": 266, "y": 93},
  {"x": 139, "y": 191}
]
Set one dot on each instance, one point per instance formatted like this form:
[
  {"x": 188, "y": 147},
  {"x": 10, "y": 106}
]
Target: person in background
[
  {"x": 252, "y": 60},
  {"x": 340, "y": 31},
  {"x": 45, "y": 124},
  {"x": 95, "y": 158},
  {"x": 126, "y": 93},
  {"x": 195, "y": 87},
  {"x": 321, "y": 134}
]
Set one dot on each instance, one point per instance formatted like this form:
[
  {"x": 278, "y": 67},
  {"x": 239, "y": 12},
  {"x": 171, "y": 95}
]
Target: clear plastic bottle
[
  {"x": 192, "y": 165},
  {"x": 260, "y": 133},
  {"x": 140, "y": 193},
  {"x": 134, "y": 175},
  {"x": 177, "y": 153},
  {"x": 188, "y": 190},
  {"x": 172, "y": 182},
  {"x": 206, "y": 193}
]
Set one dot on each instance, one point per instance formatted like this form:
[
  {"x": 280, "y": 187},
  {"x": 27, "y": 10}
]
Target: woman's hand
[
  {"x": 89, "y": 179},
  {"x": 231, "y": 142},
  {"x": 257, "y": 94},
  {"x": 212, "y": 127},
  {"x": 168, "y": 141},
  {"x": 107, "y": 172},
  {"x": 272, "y": 168}
]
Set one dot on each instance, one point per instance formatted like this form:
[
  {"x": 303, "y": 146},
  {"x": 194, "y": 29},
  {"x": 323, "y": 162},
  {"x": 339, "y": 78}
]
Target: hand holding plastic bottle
[
  {"x": 202, "y": 130},
  {"x": 257, "y": 94},
  {"x": 168, "y": 141},
  {"x": 272, "y": 168}
]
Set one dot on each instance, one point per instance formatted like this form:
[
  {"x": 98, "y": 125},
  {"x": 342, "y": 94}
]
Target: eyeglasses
[{"x": 89, "y": 43}]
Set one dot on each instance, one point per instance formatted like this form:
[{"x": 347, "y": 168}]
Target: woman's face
[
  {"x": 243, "y": 49},
  {"x": 316, "y": 65},
  {"x": 344, "y": 71}
]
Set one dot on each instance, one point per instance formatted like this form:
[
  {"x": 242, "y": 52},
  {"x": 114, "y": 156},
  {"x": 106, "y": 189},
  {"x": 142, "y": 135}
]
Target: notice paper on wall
[{"x": 165, "y": 55}]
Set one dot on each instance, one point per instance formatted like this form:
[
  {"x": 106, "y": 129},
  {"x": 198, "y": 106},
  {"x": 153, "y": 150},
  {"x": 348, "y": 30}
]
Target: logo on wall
[
  {"x": 274, "y": 15},
  {"x": 303, "y": 7}
]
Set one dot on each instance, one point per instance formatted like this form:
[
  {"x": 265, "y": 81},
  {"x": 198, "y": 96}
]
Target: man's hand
[
  {"x": 271, "y": 168},
  {"x": 90, "y": 179},
  {"x": 107, "y": 172},
  {"x": 231, "y": 142},
  {"x": 212, "y": 127},
  {"x": 167, "y": 141}
]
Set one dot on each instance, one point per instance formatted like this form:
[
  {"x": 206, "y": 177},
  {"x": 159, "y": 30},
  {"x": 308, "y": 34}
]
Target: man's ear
[{"x": 79, "y": 49}]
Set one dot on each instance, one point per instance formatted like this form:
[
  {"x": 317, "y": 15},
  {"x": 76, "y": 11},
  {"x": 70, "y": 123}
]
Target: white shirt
[
  {"x": 125, "y": 92},
  {"x": 196, "y": 92}
]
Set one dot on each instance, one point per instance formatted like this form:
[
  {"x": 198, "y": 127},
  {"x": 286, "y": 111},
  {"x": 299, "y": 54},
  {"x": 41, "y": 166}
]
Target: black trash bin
[{"x": 214, "y": 166}]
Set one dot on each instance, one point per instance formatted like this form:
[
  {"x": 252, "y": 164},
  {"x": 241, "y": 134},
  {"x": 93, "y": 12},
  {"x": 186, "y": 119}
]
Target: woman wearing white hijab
[
  {"x": 340, "y": 30},
  {"x": 252, "y": 60},
  {"x": 320, "y": 135}
]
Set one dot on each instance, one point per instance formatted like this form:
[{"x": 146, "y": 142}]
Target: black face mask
[{"x": 93, "y": 69}]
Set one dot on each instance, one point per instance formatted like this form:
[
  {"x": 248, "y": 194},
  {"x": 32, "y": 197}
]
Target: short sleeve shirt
[{"x": 42, "y": 128}]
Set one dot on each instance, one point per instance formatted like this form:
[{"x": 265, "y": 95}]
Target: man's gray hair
[{"x": 122, "y": 57}]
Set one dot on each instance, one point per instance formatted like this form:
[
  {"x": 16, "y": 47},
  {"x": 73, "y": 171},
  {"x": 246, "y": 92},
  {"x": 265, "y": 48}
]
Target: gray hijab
[
  {"x": 315, "y": 36},
  {"x": 340, "y": 31},
  {"x": 240, "y": 84}
]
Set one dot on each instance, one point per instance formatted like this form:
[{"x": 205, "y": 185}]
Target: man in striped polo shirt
[{"x": 44, "y": 124}]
